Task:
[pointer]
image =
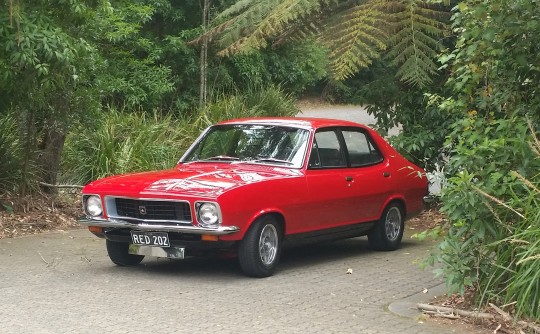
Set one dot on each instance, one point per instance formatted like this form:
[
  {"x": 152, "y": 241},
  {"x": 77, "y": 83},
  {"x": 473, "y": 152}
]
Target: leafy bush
[
  {"x": 295, "y": 67},
  {"x": 492, "y": 197},
  {"x": 493, "y": 204},
  {"x": 254, "y": 102}
]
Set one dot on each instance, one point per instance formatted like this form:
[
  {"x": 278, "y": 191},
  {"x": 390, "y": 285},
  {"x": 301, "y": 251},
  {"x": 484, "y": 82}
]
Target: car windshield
[{"x": 250, "y": 143}]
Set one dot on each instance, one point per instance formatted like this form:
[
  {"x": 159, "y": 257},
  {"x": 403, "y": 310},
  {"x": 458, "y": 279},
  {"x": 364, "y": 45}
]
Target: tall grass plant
[
  {"x": 123, "y": 142},
  {"x": 15, "y": 171}
]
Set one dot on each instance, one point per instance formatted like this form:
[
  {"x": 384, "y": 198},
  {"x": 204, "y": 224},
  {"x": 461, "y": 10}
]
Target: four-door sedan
[{"x": 253, "y": 185}]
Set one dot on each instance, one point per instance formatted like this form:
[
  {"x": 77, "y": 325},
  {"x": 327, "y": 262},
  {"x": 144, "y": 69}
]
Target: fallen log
[
  {"x": 60, "y": 185},
  {"x": 449, "y": 310},
  {"x": 450, "y": 313}
]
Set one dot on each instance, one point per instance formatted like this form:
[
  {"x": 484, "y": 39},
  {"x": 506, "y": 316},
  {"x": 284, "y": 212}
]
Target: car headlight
[
  {"x": 92, "y": 206},
  {"x": 208, "y": 215}
]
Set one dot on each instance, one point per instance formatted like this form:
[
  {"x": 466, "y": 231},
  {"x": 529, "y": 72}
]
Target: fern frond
[
  {"x": 312, "y": 24},
  {"x": 415, "y": 42},
  {"x": 237, "y": 8},
  {"x": 272, "y": 18},
  {"x": 355, "y": 38},
  {"x": 355, "y": 31}
]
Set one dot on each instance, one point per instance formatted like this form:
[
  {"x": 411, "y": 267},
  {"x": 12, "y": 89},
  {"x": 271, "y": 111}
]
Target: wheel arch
[
  {"x": 274, "y": 213},
  {"x": 395, "y": 200}
]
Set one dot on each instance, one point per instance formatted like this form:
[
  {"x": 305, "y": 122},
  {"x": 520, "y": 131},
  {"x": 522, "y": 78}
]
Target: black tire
[
  {"x": 260, "y": 249},
  {"x": 387, "y": 233},
  {"x": 119, "y": 255}
]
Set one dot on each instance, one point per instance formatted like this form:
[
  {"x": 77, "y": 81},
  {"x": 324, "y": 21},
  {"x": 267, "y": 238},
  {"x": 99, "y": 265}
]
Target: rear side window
[{"x": 361, "y": 149}]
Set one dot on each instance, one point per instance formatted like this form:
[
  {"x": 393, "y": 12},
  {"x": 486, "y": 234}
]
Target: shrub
[{"x": 492, "y": 203}]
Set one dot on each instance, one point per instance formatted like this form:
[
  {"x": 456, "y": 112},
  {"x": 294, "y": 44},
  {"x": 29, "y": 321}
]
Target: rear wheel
[
  {"x": 387, "y": 233},
  {"x": 260, "y": 249},
  {"x": 119, "y": 254}
]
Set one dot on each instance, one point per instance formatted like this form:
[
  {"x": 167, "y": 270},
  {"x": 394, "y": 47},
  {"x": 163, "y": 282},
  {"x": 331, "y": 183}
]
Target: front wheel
[
  {"x": 260, "y": 249},
  {"x": 119, "y": 254},
  {"x": 387, "y": 233}
]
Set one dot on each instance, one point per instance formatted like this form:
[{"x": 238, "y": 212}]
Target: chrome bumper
[
  {"x": 430, "y": 199},
  {"x": 116, "y": 223}
]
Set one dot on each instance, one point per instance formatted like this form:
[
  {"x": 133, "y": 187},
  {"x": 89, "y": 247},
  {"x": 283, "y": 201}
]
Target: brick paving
[{"x": 64, "y": 283}]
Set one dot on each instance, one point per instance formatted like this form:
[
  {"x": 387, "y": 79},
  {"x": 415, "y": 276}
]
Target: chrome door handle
[
  {"x": 348, "y": 178},
  {"x": 386, "y": 174}
]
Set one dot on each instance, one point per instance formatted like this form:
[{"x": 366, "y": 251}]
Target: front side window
[
  {"x": 251, "y": 143},
  {"x": 326, "y": 151}
]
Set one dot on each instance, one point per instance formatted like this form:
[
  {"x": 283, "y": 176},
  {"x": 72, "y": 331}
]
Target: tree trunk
[
  {"x": 49, "y": 159},
  {"x": 204, "y": 55}
]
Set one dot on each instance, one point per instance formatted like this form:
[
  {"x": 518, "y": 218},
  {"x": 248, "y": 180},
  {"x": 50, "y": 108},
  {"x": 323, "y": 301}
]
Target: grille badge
[{"x": 142, "y": 210}]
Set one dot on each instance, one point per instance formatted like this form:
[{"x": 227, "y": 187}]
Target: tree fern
[
  {"x": 263, "y": 20},
  {"x": 355, "y": 32},
  {"x": 354, "y": 37},
  {"x": 415, "y": 40}
]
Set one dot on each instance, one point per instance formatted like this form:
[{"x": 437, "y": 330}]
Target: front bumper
[{"x": 119, "y": 224}]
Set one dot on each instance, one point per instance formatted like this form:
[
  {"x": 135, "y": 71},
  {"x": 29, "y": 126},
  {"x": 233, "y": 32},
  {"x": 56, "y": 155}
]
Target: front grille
[{"x": 153, "y": 210}]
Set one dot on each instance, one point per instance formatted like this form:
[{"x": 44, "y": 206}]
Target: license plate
[{"x": 156, "y": 239}]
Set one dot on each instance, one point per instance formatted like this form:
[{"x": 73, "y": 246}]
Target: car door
[
  {"x": 329, "y": 182},
  {"x": 369, "y": 170}
]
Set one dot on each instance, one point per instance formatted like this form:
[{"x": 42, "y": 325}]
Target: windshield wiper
[
  {"x": 221, "y": 158},
  {"x": 279, "y": 161}
]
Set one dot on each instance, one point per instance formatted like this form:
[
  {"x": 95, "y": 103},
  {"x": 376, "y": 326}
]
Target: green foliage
[
  {"x": 415, "y": 41},
  {"x": 133, "y": 72},
  {"x": 123, "y": 142},
  {"x": 492, "y": 197},
  {"x": 354, "y": 33},
  {"x": 424, "y": 126},
  {"x": 11, "y": 155},
  {"x": 254, "y": 102},
  {"x": 355, "y": 37},
  {"x": 493, "y": 242},
  {"x": 46, "y": 76},
  {"x": 294, "y": 67}
]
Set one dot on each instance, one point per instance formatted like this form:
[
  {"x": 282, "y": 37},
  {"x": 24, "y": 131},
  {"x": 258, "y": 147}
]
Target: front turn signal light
[{"x": 95, "y": 229}]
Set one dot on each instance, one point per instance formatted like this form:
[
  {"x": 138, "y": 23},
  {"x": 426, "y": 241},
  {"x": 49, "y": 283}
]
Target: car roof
[{"x": 300, "y": 122}]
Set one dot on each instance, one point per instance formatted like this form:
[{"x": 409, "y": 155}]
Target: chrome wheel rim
[
  {"x": 392, "y": 223},
  {"x": 268, "y": 244}
]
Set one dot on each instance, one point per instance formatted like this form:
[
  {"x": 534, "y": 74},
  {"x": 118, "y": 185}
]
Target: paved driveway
[{"x": 64, "y": 283}]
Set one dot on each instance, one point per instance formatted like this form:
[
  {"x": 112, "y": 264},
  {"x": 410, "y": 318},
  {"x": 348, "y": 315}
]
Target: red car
[{"x": 253, "y": 185}]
